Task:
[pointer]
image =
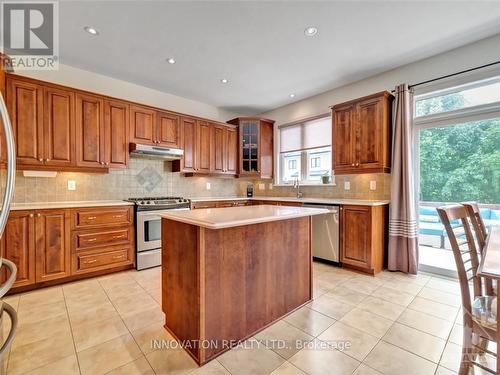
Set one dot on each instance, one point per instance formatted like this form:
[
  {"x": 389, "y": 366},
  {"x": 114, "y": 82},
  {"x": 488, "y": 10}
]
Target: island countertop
[{"x": 218, "y": 218}]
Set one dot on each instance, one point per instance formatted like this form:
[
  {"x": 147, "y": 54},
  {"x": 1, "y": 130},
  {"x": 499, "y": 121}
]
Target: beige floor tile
[
  {"x": 26, "y": 314},
  {"x": 441, "y": 297},
  {"x": 397, "y": 297},
  {"x": 283, "y": 338},
  {"x": 31, "y": 332},
  {"x": 322, "y": 360},
  {"x": 171, "y": 362},
  {"x": 143, "y": 318},
  {"x": 116, "y": 279},
  {"x": 96, "y": 331},
  {"x": 309, "y": 321},
  {"x": 320, "y": 288},
  {"x": 362, "y": 285},
  {"x": 288, "y": 369},
  {"x": 86, "y": 301},
  {"x": 368, "y": 322},
  {"x": 348, "y": 295},
  {"x": 444, "y": 285},
  {"x": 380, "y": 307},
  {"x": 134, "y": 303},
  {"x": 147, "y": 337},
  {"x": 404, "y": 286},
  {"x": 451, "y": 357},
  {"x": 426, "y": 323},
  {"x": 104, "y": 310},
  {"x": 330, "y": 306},
  {"x": 36, "y": 354},
  {"x": 156, "y": 294},
  {"x": 457, "y": 334},
  {"x": 334, "y": 279},
  {"x": 391, "y": 360},
  {"x": 444, "y": 371},
  {"x": 211, "y": 368},
  {"x": 81, "y": 288},
  {"x": 138, "y": 367},
  {"x": 124, "y": 290},
  {"x": 66, "y": 366},
  {"x": 107, "y": 356},
  {"x": 39, "y": 297},
  {"x": 251, "y": 358},
  {"x": 12, "y": 300},
  {"x": 365, "y": 370},
  {"x": 415, "y": 341},
  {"x": 360, "y": 343},
  {"x": 436, "y": 309},
  {"x": 420, "y": 279}
]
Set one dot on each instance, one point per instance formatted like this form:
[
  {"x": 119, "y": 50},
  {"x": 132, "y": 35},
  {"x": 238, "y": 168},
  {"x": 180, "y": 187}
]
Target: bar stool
[
  {"x": 481, "y": 234},
  {"x": 479, "y": 313}
]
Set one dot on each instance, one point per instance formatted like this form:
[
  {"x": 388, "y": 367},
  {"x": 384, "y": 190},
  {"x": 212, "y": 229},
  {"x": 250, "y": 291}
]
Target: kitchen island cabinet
[{"x": 239, "y": 269}]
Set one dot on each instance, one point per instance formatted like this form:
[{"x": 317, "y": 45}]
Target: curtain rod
[{"x": 454, "y": 74}]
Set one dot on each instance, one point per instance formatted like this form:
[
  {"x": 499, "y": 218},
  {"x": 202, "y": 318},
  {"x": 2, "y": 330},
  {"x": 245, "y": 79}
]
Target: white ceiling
[{"x": 260, "y": 46}]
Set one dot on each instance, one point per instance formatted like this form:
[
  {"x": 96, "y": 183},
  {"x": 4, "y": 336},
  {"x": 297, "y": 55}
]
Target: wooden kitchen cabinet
[
  {"x": 362, "y": 239},
  {"x": 255, "y": 146},
  {"x": 224, "y": 145},
  {"x": 168, "y": 130},
  {"x": 362, "y": 135},
  {"x": 53, "y": 258},
  {"x": 116, "y": 133},
  {"x": 90, "y": 131},
  {"x": 189, "y": 139},
  {"x": 142, "y": 125},
  {"x": 203, "y": 144}
]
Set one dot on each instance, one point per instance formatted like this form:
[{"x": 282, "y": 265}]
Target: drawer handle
[
  {"x": 91, "y": 217},
  {"x": 118, "y": 256},
  {"x": 120, "y": 236},
  {"x": 117, "y": 216},
  {"x": 92, "y": 239},
  {"x": 90, "y": 261}
]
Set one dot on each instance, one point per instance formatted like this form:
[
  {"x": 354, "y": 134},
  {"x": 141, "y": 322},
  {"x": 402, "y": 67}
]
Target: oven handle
[{"x": 156, "y": 214}]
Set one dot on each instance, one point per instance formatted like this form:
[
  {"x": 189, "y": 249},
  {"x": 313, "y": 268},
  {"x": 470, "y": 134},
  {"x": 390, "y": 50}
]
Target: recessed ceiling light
[
  {"x": 310, "y": 31},
  {"x": 91, "y": 30},
  {"x": 224, "y": 80},
  {"x": 171, "y": 60},
  {"x": 292, "y": 95}
]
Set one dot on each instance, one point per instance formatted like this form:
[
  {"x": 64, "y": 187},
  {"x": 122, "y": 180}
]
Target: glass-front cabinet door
[{"x": 249, "y": 131}]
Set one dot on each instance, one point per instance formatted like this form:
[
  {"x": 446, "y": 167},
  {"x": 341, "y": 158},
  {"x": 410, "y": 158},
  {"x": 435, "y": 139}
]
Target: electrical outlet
[
  {"x": 347, "y": 185},
  {"x": 209, "y": 186},
  {"x": 71, "y": 185},
  {"x": 262, "y": 186},
  {"x": 373, "y": 185},
  {"x": 270, "y": 186}
]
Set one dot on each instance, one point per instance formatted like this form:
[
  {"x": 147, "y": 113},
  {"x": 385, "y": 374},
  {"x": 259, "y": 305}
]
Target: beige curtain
[{"x": 403, "y": 227}]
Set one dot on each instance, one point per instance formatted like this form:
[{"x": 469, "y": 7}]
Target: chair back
[{"x": 465, "y": 254}]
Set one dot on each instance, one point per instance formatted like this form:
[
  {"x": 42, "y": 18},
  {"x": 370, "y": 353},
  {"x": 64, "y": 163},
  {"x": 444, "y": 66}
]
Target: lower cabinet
[
  {"x": 362, "y": 240},
  {"x": 47, "y": 245}
]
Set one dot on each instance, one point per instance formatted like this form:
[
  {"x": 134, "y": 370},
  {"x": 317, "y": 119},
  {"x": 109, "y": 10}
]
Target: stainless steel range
[{"x": 148, "y": 227}]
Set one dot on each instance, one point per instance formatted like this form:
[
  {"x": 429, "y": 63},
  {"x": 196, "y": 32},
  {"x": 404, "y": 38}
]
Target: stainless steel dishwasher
[{"x": 325, "y": 239}]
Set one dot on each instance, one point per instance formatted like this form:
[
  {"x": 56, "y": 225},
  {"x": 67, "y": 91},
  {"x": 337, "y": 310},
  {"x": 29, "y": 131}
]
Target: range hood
[{"x": 165, "y": 153}]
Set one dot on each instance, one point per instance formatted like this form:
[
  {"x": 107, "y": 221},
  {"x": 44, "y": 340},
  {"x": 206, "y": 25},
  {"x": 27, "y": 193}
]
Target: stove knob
[{"x": 141, "y": 202}]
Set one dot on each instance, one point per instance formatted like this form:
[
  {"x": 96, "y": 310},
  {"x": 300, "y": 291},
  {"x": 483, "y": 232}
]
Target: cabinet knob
[
  {"x": 357, "y": 164},
  {"x": 102, "y": 163},
  {"x": 107, "y": 163},
  {"x": 40, "y": 159},
  {"x": 38, "y": 215},
  {"x": 31, "y": 215},
  {"x": 47, "y": 160}
]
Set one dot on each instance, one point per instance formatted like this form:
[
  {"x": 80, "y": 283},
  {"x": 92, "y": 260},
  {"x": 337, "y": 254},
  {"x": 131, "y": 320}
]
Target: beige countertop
[
  {"x": 360, "y": 202},
  {"x": 68, "y": 204},
  {"x": 218, "y": 218}
]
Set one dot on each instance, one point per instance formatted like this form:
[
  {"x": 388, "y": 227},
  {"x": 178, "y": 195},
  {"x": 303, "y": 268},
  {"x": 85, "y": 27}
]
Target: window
[{"x": 305, "y": 151}]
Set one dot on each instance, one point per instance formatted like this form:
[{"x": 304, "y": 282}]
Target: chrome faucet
[{"x": 296, "y": 185}]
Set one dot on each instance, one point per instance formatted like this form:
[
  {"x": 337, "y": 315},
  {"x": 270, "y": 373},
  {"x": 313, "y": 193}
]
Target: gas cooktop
[{"x": 160, "y": 203}]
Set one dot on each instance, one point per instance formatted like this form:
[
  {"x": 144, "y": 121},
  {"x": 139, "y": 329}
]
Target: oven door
[{"x": 149, "y": 229}]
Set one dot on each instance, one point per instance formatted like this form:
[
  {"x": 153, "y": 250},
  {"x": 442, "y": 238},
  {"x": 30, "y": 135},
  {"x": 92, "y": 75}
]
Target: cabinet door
[
  {"x": 369, "y": 133},
  {"x": 188, "y": 162},
  {"x": 218, "y": 146},
  {"x": 343, "y": 137},
  {"x": 116, "y": 130},
  {"x": 249, "y": 148},
  {"x": 356, "y": 235},
  {"x": 168, "y": 129},
  {"x": 59, "y": 125},
  {"x": 53, "y": 259},
  {"x": 18, "y": 245},
  {"x": 231, "y": 150},
  {"x": 89, "y": 131},
  {"x": 25, "y": 104},
  {"x": 142, "y": 125},
  {"x": 203, "y": 143}
]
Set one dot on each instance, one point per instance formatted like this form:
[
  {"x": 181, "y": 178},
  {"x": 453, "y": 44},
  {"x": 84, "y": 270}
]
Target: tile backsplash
[{"x": 154, "y": 177}]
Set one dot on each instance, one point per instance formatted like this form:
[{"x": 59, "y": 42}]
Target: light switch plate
[
  {"x": 270, "y": 186},
  {"x": 71, "y": 185},
  {"x": 262, "y": 186},
  {"x": 209, "y": 186},
  {"x": 373, "y": 185},
  {"x": 347, "y": 185}
]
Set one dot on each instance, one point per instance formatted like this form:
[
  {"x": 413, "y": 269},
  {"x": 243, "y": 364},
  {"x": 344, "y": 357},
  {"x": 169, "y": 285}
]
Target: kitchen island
[{"x": 228, "y": 273}]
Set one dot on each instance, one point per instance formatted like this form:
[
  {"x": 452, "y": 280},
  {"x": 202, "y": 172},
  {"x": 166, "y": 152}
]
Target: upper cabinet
[
  {"x": 152, "y": 127},
  {"x": 362, "y": 135},
  {"x": 168, "y": 129},
  {"x": 116, "y": 133},
  {"x": 90, "y": 131},
  {"x": 255, "y": 146}
]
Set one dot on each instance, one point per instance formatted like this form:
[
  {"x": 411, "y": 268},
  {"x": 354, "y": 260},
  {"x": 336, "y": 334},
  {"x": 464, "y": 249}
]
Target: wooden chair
[
  {"x": 481, "y": 234},
  {"x": 479, "y": 312}
]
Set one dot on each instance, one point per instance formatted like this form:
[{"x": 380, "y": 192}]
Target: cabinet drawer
[
  {"x": 101, "y": 260},
  {"x": 103, "y": 238},
  {"x": 101, "y": 217},
  {"x": 198, "y": 205}
]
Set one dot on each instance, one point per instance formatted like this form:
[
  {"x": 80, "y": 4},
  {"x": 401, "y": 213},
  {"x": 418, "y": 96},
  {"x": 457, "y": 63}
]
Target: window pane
[
  {"x": 290, "y": 163},
  {"x": 309, "y": 134},
  {"x": 465, "y": 98},
  {"x": 320, "y": 163}
]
